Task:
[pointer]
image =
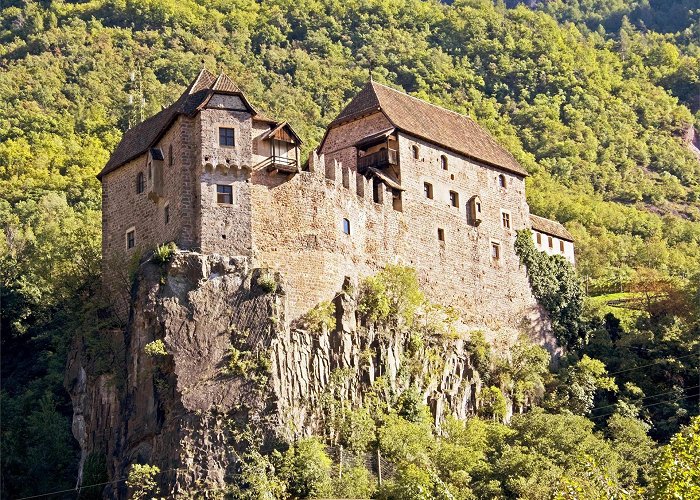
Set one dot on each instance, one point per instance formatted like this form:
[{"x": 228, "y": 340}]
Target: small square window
[
  {"x": 550, "y": 242},
  {"x": 441, "y": 234},
  {"x": 130, "y": 239},
  {"x": 495, "y": 251},
  {"x": 561, "y": 246},
  {"x": 346, "y": 226},
  {"x": 506, "y": 219},
  {"x": 428, "y": 190},
  {"x": 226, "y": 137},
  {"x": 454, "y": 199},
  {"x": 166, "y": 213},
  {"x": 224, "y": 194}
]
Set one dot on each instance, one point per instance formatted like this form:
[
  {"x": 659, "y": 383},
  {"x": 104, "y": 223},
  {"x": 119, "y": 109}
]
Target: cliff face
[{"x": 232, "y": 361}]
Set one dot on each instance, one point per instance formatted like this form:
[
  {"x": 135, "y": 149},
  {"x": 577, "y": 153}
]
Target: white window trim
[
  {"x": 500, "y": 251},
  {"x": 216, "y": 195},
  {"x": 126, "y": 238},
  {"x": 236, "y": 134}
]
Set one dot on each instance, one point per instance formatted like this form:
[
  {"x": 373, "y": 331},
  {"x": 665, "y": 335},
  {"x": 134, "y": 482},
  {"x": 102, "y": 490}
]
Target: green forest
[{"x": 596, "y": 99}]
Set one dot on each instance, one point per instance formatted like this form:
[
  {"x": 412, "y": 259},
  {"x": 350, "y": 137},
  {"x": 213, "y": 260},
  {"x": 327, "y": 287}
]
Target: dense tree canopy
[{"x": 592, "y": 97}]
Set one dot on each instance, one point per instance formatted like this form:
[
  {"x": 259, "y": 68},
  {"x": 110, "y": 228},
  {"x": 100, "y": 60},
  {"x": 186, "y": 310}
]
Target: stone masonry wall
[{"x": 123, "y": 208}]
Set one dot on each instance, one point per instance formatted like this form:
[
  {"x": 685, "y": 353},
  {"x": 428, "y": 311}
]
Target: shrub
[
  {"x": 141, "y": 480},
  {"x": 356, "y": 482},
  {"x": 251, "y": 365},
  {"x": 267, "y": 282},
  {"x": 163, "y": 253},
  {"x": 155, "y": 348},
  {"x": 322, "y": 315},
  {"x": 493, "y": 404},
  {"x": 392, "y": 294},
  {"x": 306, "y": 467}
]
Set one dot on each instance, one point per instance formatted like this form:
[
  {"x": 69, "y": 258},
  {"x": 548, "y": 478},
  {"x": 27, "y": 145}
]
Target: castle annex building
[{"x": 394, "y": 180}]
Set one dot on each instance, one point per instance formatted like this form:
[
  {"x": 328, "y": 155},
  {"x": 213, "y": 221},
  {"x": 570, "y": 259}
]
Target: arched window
[
  {"x": 416, "y": 151},
  {"x": 502, "y": 181},
  {"x": 140, "y": 183},
  {"x": 443, "y": 162}
]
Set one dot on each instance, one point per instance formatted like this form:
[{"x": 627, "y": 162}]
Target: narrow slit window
[
  {"x": 171, "y": 160},
  {"x": 441, "y": 234},
  {"x": 376, "y": 191},
  {"x": 506, "y": 219},
  {"x": 495, "y": 251},
  {"x": 416, "y": 152},
  {"x": 140, "y": 183},
  {"x": 224, "y": 194},
  {"x": 539, "y": 238},
  {"x": 443, "y": 162},
  {"x": 226, "y": 137},
  {"x": 428, "y": 190},
  {"x": 166, "y": 214},
  {"x": 550, "y": 241},
  {"x": 130, "y": 239},
  {"x": 454, "y": 198},
  {"x": 502, "y": 181},
  {"x": 346, "y": 226},
  {"x": 561, "y": 246}
]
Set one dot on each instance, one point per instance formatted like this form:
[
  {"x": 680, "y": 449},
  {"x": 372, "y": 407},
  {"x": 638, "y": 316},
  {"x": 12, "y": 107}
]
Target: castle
[{"x": 394, "y": 180}]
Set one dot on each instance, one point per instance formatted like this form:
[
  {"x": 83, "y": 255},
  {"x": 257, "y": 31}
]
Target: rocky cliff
[{"x": 230, "y": 360}]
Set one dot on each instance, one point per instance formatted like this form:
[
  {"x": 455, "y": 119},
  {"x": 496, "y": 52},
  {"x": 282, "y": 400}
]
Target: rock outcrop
[{"x": 233, "y": 361}]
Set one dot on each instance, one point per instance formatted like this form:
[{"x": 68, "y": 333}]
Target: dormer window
[
  {"x": 226, "y": 137},
  {"x": 443, "y": 162}
]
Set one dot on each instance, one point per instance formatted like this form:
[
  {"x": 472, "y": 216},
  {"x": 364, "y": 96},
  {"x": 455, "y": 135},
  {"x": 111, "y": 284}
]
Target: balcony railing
[
  {"x": 380, "y": 159},
  {"x": 281, "y": 163}
]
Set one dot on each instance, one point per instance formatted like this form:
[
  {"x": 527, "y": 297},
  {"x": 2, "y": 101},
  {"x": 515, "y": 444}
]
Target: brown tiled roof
[
  {"x": 138, "y": 139},
  {"x": 551, "y": 227},
  {"x": 427, "y": 121}
]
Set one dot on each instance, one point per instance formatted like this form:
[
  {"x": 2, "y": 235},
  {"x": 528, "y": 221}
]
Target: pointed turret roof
[
  {"x": 432, "y": 123},
  {"x": 140, "y": 138}
]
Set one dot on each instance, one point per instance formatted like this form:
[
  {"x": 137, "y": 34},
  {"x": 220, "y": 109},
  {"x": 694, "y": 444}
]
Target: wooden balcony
[
  {"x": 379, "y": 159},
  {"x": 280, "y": 164}
]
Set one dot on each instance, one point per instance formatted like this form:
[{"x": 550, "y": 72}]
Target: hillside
[{"x": 598, "y": 107}]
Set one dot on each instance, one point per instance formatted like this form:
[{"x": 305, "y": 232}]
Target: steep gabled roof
[
  {"x": 138, "y": 139},
  {"x": 432, "y": 123},
  {"x": 550, "y": 227}
]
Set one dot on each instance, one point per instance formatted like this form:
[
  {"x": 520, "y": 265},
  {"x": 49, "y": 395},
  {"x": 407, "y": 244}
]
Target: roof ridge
[{"x": 423, "y": 100}]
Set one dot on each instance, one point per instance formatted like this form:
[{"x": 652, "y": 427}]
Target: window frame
[
  {"x": 140, "y": 183},
  {"x": 495, "y": 251},
  {"x": 538, "y": 237},
  {"x": 346, "y": 226},
  {"x": 550, "y": 242},
  {"x": 505, "y": 219},
  {"x": 228, "y": 191},
  {"x": 130, "y": 238},
  {"x": 444, "y": 162},
  {"x": 224, "y": 131},
  {"x": 428, "y": 190},
  {"x": 561, "y": 246},
  {"x": 454, "y": 199},
  {"x": 441, "y": 234}
]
